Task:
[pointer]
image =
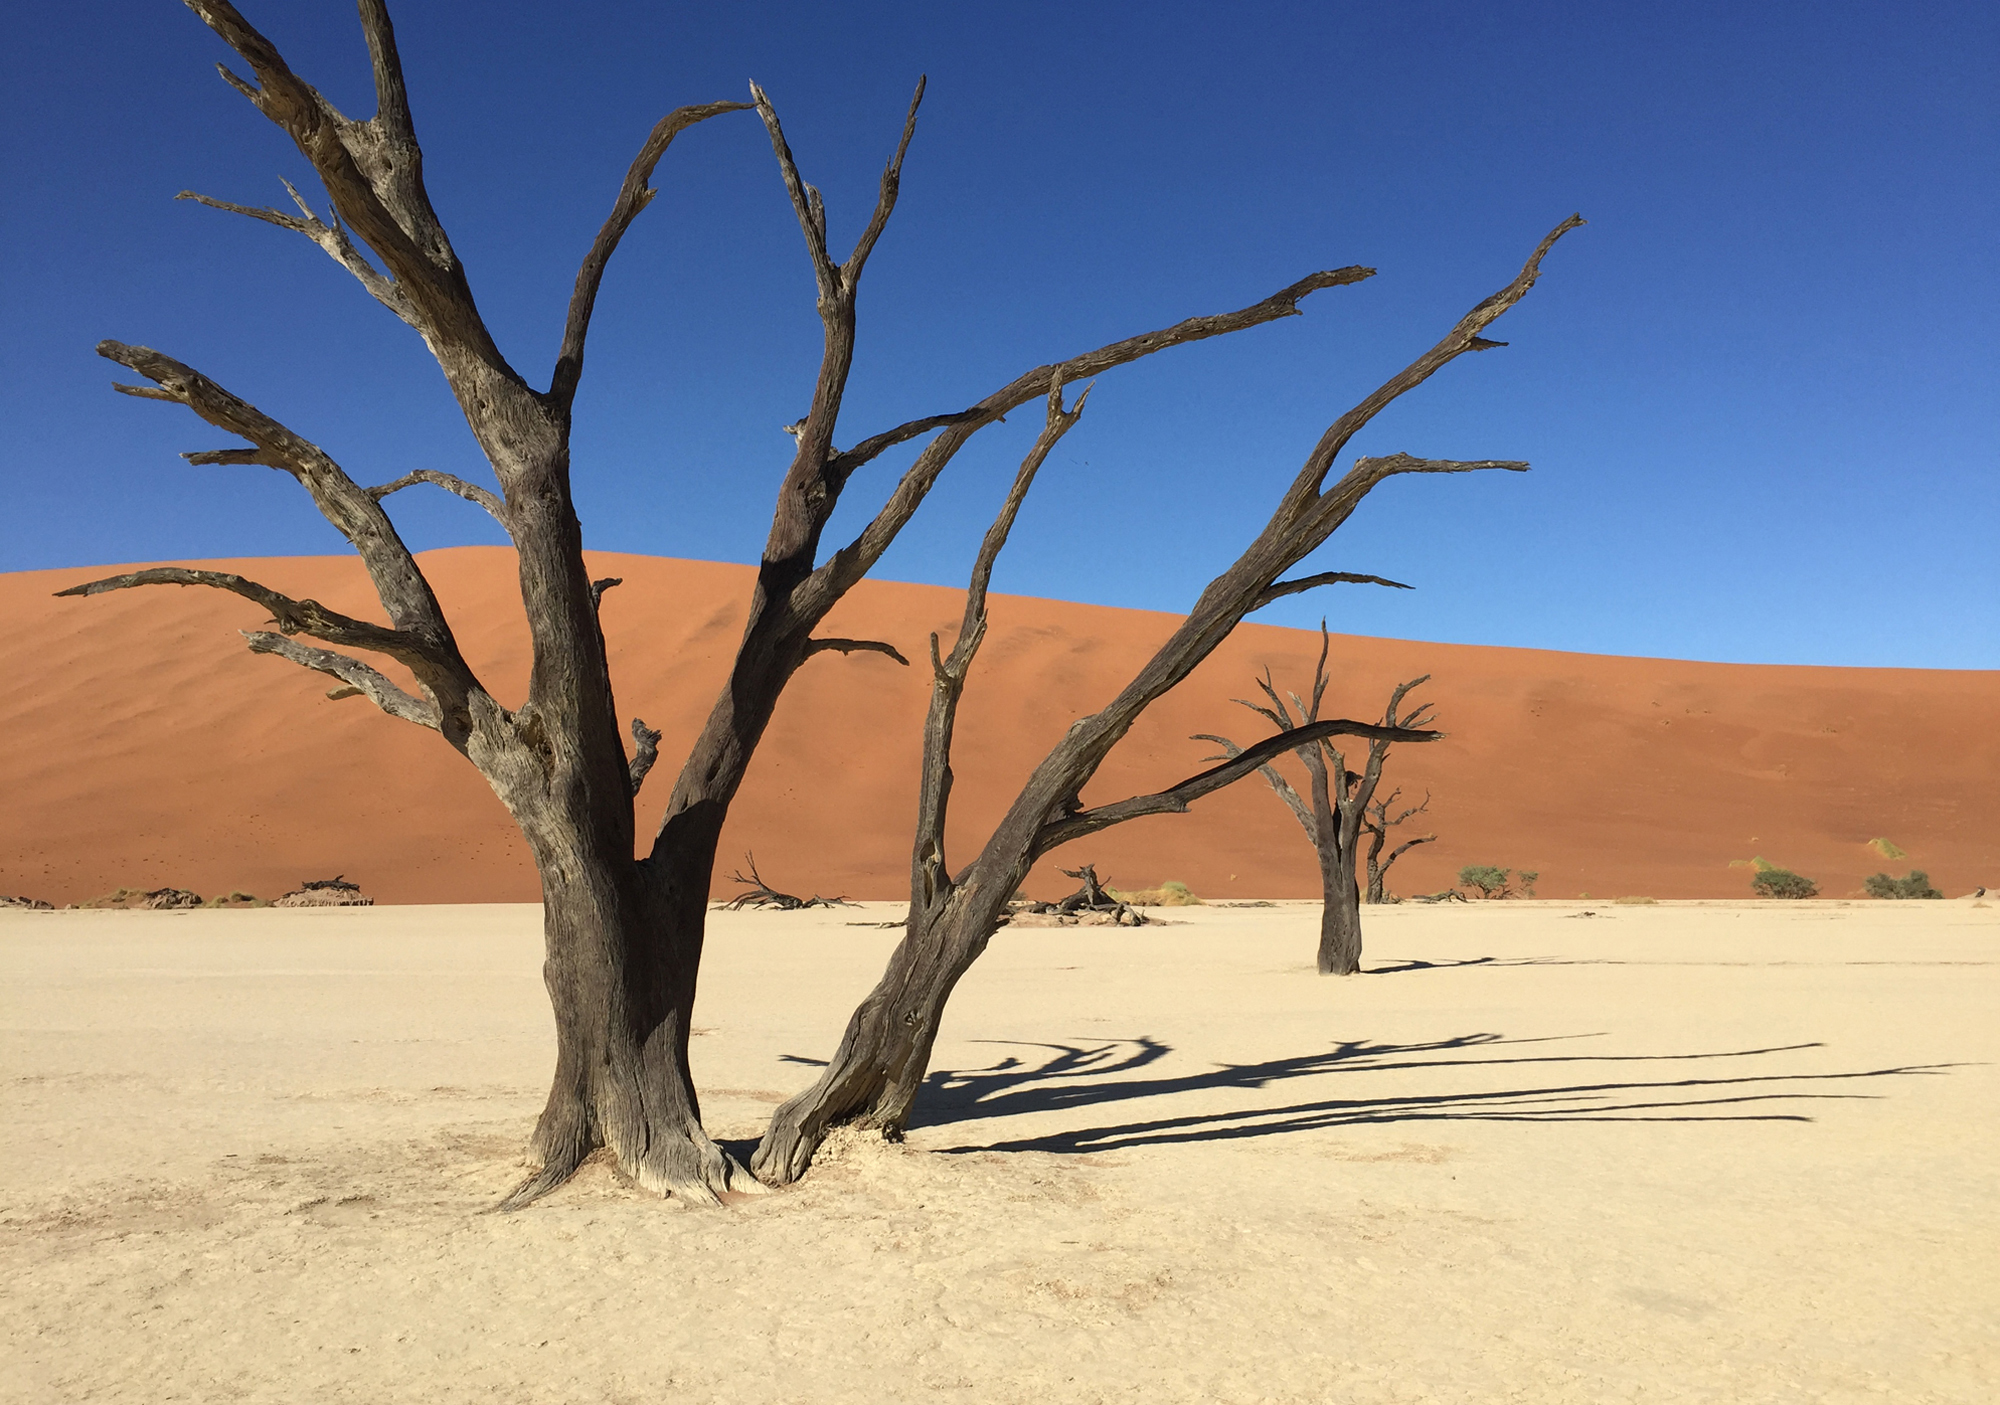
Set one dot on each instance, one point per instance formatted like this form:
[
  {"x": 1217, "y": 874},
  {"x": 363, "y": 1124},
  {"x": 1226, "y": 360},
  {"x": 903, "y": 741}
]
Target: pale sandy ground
[{"x": 1678, "y": 1153}]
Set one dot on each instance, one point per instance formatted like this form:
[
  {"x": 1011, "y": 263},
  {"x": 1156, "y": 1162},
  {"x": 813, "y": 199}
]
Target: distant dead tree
[
  {"x": 758, "y": 893},
  {"x": 874, "y": 1075},
  {"x": 1378, "y": 821},
  {"x": 623, "y": 929},
  {"x": 1338, "y": 810}
]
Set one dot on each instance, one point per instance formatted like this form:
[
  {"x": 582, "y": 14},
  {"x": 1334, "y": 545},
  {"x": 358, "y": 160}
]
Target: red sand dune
[{"x": 144, "y": 746}]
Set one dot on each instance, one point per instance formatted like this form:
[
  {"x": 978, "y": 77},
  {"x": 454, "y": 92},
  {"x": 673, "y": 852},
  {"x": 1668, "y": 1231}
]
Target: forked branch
[
  {"x": 856, "y": 559},
  {"x": 357, "y": 514},
  {"x": 330, "y": 237},
  {"x": 931, "y": 875},
  {"x": 359, "y": 679}
]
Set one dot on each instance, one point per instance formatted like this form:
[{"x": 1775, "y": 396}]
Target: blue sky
[{"x": 1759, "y": 390}]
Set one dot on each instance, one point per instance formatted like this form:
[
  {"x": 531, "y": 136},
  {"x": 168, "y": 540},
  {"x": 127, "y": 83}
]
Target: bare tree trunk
[
  {"x": 623, "y": 946},
  {"x": 1340, "y": 916},
  {"x": 874, "y": 1076}
]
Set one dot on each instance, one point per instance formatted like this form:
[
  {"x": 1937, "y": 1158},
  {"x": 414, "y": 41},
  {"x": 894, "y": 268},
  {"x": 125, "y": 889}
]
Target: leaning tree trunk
[{"x": 874, "y": 1077}]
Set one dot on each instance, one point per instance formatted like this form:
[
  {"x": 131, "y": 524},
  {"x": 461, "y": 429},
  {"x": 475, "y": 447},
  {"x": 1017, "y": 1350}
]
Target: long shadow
[
  {"x": 1399, "y": 968},
  {"x": 1073, "y": 1076}
]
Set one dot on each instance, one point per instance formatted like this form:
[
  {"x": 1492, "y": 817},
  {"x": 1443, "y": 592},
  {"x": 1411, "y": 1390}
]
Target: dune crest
[{"x": 145, "y": 747}]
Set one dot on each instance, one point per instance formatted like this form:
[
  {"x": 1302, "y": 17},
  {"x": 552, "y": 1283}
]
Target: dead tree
[
  {"x": 762, "y": 894},
  {"x": 624, "y": 930},
  {"x": 875, "y": 1073},
  {"x": 1091, "y": 898},
  {"x": 1337, "y": 812},
  {"x": 1378, "y": 822}
]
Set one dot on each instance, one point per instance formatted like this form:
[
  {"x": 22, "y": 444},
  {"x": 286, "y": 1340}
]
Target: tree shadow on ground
[
  {"x": 1076, "y": 1076},
  {"x": 1397, "y": 968}
]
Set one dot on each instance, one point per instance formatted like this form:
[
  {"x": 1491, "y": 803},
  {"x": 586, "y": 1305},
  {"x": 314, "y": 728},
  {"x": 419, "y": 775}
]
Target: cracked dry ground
[{"x": 1684, "y": 1153}]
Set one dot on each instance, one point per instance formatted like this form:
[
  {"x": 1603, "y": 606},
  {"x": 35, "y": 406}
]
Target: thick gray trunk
[
  {"x": 1340, "y": 917},
  {"x": 623, "y": 946}
]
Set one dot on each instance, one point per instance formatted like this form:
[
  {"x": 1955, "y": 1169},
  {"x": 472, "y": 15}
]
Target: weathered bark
[
  {"x": 623, "y": 935},
  {"x": 1340, "y": 915}
]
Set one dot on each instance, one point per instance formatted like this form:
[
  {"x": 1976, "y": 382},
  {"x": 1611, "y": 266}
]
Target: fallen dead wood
[{"x": 762, "y": 894}]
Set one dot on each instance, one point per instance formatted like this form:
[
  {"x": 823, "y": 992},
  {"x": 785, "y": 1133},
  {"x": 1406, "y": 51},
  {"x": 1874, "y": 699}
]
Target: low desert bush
[
  {"x": 1635, "y": 901},
  {"x": 1774, "y": 882},
  {"x": 1168, "y": 894},
  {"x": 1490, "y": 882},
  {"x": 1916, "y": 885}
]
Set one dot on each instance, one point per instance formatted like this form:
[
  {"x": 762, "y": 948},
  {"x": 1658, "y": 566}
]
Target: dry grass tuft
[{"x": 1169, "y": 894}]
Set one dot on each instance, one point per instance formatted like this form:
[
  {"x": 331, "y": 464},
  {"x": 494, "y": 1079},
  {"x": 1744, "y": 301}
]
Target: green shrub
[
  {"x": 1491, "y": 882},
  {"x": 1916, "y": 885},
  {"x": 1775, "y": 882},
  {"x": 1527, "y": 877}
]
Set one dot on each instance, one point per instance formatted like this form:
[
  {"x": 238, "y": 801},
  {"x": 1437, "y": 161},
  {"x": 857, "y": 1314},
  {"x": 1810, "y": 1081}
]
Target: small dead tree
[
  {"x": 1337, "y": 812},
  {"x": 1378, "y": 821},
  {"x": 623, "y": 929},
  {"x": 761, "y": 894},
  {"x": 874, "y": 1075}
]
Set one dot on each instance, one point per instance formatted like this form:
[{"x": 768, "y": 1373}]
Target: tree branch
[
  {"x": 633, "y": 196},
  {"x": 854, "y": 646},
  {"x": 1175, "y": 800},
  {"x": 407, "y": 597},
  {"x": 332, "y": 238},
  {"x": 1321, "y": 511},
  {"x": 1294, "y": 802},
  {"x": 307, "y": 617},
  {"x": 842, "y": 465},
  {"x": 646, "y": 750},
  {"x": 930, "y": 872},
  {"x": 361, "y": 680},
  {"x": 451, "y": 483},
  {"x": 856, "y": 559},
  {"x": 885, "y": 203},
  {"x": 806, "y": 204},
  {"x": 598, "y": 587},
  {"x": 1404, "y": 848},
  {"x": 1280, "y": 589},
  {"x": 373, "y": 172}
]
